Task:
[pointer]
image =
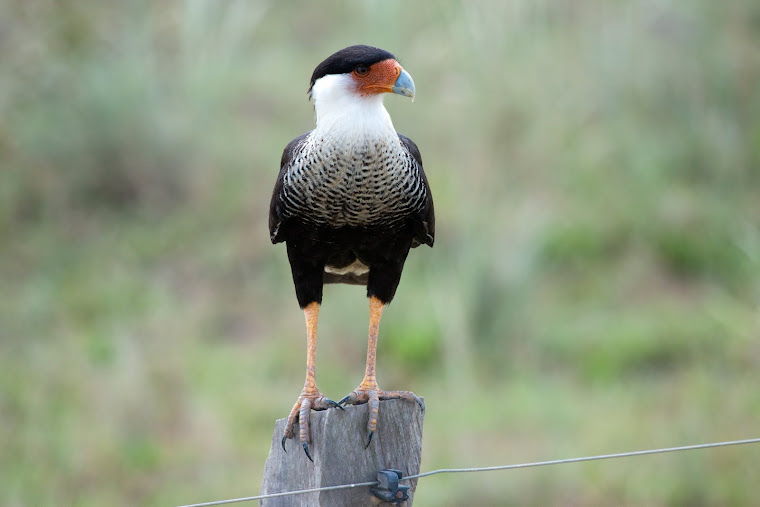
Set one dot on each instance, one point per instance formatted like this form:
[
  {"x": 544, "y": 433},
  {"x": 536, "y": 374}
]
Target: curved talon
[
  {"x": 331, "y": 404},
  {"x": 344, "y": 400},
  {"x": 306, "y": 450},
  {"x": 369, "y": 440},
  {"x": 283, "y": 444}
]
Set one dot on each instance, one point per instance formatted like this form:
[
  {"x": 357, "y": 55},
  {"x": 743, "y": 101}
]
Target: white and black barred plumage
[
  {"x": 351, "y": 195},
  {"x": 371, "y": 183}
]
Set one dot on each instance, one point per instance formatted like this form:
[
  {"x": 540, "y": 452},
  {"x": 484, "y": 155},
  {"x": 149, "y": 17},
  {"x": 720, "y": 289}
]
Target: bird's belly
[{"x": 361, "y": 206}]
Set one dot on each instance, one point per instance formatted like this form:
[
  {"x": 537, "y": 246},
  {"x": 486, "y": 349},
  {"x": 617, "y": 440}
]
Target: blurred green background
[{"x": 594, "y": 286}]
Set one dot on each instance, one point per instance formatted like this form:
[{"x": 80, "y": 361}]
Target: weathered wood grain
[{"x": 337, "y": 446}]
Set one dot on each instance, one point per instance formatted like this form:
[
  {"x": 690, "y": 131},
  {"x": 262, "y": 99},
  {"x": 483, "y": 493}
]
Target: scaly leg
[
  {"x": 310, "y": 398},
  {"x": 368, "y": 391}
]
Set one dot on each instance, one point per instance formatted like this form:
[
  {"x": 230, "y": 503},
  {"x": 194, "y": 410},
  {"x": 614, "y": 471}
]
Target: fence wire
[{"x": 488, "y": 469}]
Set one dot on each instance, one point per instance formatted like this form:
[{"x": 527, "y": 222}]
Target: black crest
[{"x": 347, "y": 59}]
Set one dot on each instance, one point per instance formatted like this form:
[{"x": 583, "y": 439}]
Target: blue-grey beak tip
[{"x": 404, "y": 85}]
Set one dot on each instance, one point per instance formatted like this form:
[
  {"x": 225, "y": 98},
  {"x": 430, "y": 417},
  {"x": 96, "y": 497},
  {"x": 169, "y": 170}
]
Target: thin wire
[
  {"x": 488, "y": 469},
  {"x": 284, "y": 493},
  {"x": 586, "y": 458}
]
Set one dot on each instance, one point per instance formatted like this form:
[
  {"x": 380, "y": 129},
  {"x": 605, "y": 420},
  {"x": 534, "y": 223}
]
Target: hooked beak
[{"x": 404, "y": 85}]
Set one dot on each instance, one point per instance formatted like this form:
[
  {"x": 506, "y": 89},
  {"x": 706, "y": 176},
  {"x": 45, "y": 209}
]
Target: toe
[
  {"x": 349, "y": 399},
  {"x": 323, "y": 403},
  {"x": 403, "y": 395},
  {"x": 356, "y": 397},
  {"x": 374, "y": 409},
  {"x": 291, "y": 423},
  {"x": 303, "y": 420}
]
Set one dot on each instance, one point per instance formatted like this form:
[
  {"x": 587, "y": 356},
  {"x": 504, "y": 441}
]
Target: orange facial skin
[{"x": 378, "y": 78}]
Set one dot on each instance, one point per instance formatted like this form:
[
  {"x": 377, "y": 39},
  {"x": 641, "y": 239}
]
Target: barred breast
[{"x": 369, "y": 183}]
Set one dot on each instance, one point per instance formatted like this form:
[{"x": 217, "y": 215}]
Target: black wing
[
  {"x": 276, "y": 220},
  {"x": 425, "y": 228}
]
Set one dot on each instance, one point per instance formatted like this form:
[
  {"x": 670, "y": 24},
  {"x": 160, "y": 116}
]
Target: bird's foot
[
  {"x": 370, "y": 393},
  {"x": 310, "y": 399}
]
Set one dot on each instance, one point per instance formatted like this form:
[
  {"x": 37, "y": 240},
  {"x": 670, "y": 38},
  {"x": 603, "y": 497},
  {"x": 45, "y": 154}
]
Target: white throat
[{"x": 341, "y": 111}]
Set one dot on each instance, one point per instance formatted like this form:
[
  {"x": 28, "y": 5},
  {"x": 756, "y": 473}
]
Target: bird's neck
[{"x": 345, "y": 114}]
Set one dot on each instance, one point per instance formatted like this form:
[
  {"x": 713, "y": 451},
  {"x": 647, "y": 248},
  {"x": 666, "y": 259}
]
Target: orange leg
[
  {"x": 368, "y": 391},
  {"x": 310, "y": 398}
]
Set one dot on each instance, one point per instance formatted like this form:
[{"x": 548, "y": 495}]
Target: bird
[{"x": 350, "y": 201}]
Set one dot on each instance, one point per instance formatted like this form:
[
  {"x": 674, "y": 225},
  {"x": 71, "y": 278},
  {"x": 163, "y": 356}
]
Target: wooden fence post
[{"x": 337, "y": 446}]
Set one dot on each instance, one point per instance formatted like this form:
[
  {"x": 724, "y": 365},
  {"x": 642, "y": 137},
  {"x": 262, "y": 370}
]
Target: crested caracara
[{"x": 350, "y": 201}]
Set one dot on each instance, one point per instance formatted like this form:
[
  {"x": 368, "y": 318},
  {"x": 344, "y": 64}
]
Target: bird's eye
[{"x": 361, "y": 70}]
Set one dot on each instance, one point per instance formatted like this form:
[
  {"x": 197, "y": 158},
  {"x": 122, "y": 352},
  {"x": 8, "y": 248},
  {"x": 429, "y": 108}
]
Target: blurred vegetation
[{"x": 594, "y": 285}]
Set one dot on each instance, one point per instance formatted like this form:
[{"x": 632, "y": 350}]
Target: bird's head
[{"x": 358, "y": 74}]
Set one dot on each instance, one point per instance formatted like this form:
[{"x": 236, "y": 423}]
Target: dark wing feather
[
  {"x": 425, "y": 228},
  {"x": 276, "y": 220}
]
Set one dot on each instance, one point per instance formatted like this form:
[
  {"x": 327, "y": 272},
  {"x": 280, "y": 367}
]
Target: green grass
[{"x": 594, "y": 286}]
